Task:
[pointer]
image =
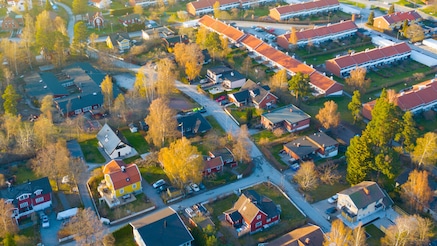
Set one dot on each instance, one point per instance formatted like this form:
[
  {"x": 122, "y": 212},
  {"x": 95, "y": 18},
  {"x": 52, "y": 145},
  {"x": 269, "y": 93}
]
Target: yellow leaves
[{"x": 328, "y": 115}]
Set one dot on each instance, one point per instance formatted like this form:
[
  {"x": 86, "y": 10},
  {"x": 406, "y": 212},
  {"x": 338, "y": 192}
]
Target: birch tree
[
  {"x": 107, "y": 91},
  {"x": 7, "y": 223},
  {"x": 307, "y": 177},
  {"x": 166, "y": 77},
  {"x": 416, "y": 191},
  {"x": 425, "y": 152},
  {"x": 241, "y": 147},
  {"x": 339, "y": 235},
  {"x": 86, "y": 228},
  {"x": 161, "y": 121},
  {"x": 328, "y": 115}
]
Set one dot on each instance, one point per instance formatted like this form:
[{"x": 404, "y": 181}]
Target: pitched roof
[
  {"x": 225, "y": 153},
  {"x": 229, "y": 31},
  {"x": 250, "y": 203},
  {"x": 322, "y": 31},
  {"x": 310, "y": 235},
  {"x": 305, "y": 6},
  {"x": 211, "y": 163},
  {"x": 129, "y": 17},
  {"x": 193, "y": 124},
  {"x": 118, "y": 37},
  {"x": 400, "y": 17},
  {"x": 408, "y": 99},
  {"x": 301, "y": 147},
  {"x": 110, "y": 138},
  {"x": 321, "y": 139},
  {"x": 219, "y": 69},
  {"x": 121, "y": 174},
  {"x": 29, "y": 187},
  {"x": 252, "y": 90},
  {"x": 53, "y": 84},
  {"x": 232, "y": 76},
  {"x": 356, "y": 59},
  {"x": 364, "y": 193},
  {"x": 289, "y": 113},
  {"x": 163, "y": 228}
]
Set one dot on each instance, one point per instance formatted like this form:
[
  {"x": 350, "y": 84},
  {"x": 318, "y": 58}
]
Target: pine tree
[
  {"x": 408, "y": 133},
  {"x": 10, "y": 98},
  {"x": 355, "y": 105},
  {"x": 359, "y": 158},
  {"x": 299, "y": 85}
]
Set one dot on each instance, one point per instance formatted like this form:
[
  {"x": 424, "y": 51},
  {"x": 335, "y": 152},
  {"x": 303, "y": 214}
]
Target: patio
[{"x": 112, "y": 201}]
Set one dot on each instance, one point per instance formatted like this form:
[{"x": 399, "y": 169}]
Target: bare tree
[
  {"x": 307, "y": 177},
  {"x": 161, "y": 121},
  {"x": 328, "y": 173},
  {"x": 408, "y": 230},
  {"x": 166, "y": 77},
  {"x": 415, "y": 33},
  {"x": 357, "y": 79},
  {"x": 145, "y": 85},
  {"x": 241, "y": 147},
  {"x": 328, "y": 115},
  {"x": 425, "y": 152},
  {"x": 86, "y": 228},
  {"x": 358, "y": 236},
  {"x": 7, "y": 223},
  {"x": 339, "y": 235},
  {"x": 416, "y": 191}
]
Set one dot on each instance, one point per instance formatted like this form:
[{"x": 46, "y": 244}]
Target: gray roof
[
  {"x": 321, "y": 139},
  {"x": 364, "y": 193},
  {"x": 310, "y": 235},
  {"x": 220, "y": 69},
  {"x": 80, "y": 102},
  {"x": 14, "y": 192},
  {"x": 256, "y": 91},
  {"x": 289, "y": 113},
  {"x": 53, "y": 84},
  {"x": 193, "y": 124},
  {"x": 301, "y": 147},
  {"x": 164, "y": 227},
  {"x": 232, "y": 76},
  {"x": 110, "y": 138},
  {"x": 118, "y": 37}
]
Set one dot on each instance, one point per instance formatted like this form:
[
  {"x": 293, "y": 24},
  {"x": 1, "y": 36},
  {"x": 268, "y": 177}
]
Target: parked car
[
  {"x": 45, "y": 221},
  {"x": 224, "y": 102},
  {"x": 333, "y": 199},
  {"x": 189, "y": 189},
  {"x": 220, "y": 98},
  {"x": 190, "y": 212},
  {"x": 195, "y": 187},
  {"x": 133, "y": 128},
  {"x": 331, "y": 210},
  {"x": 295, "y": 167},
  {"x": 202, "y": 186},
  {"x": 158, "y": 183}
]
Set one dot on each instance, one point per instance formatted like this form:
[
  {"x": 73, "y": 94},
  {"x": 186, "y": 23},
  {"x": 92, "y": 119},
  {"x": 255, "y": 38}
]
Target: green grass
[
  {"x": 136, "y": 140},
  {"x": 3, "y": 12},
  {"x": 322, "y": 58},
  {"x": 275, "y": 152},
  {"x": 23, "y": 173},
  {"x": 359, "y": 5},
  {"x": 152, "y": 173},
  {"x": 431, "y": 10},
  {"x": 220, "y": 179},
  {"x": 263, "y": 134},
  {"x": 261, "y": 11},
  {"x": 406, "y": 3},
  {"x": 312, "y": 107},
  {"x": 215, "y": 125},
  {"x": 324, "y": 191},
  {"x": 375, "y": 235},
  {"x": 90, "y": 151},
  {"x": 124, "y": 236}
]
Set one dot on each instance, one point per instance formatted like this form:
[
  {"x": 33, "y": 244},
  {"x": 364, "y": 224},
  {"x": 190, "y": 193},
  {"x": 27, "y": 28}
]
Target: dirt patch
[{"x": 181, "y": 103}]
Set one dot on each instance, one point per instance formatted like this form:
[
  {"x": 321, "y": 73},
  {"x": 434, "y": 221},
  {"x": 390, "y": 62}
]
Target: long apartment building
[
  {"x": 343, "y": 65},
  {"x": 275, "y": 58},
  {"x": 417, "y": 98},
  {"x": 286, "y": 12},
  {"x": 202, "y": 7},
  {"x": 319, "y": 34}
]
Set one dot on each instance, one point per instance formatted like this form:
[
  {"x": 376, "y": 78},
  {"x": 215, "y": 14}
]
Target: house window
[
  {"x": 121, "y": 191},
  {"x": 258, "y": 217},
  {"x": 39, "y": 200},
  {"x": 258, "y": 224},
  {"x": 268, "y": 220},
  {"x": 218, "y": 168},
  {"x": 24, "y": 204},
  {"x": 38, "y": 192},
  {"x": 23, "y": 197},
  {"x": 134, "y": 186}
]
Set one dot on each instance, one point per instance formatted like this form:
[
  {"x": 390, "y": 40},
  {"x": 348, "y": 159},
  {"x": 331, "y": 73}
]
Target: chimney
[
  {"x": 307, "y": 241},
  {"x": 123, "y": 169},
  {"x": 165, "y": 223},
  {"x": 366, "y": 191}
]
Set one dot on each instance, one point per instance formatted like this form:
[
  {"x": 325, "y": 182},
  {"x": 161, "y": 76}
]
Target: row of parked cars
[{"x": 162, "y": 186}]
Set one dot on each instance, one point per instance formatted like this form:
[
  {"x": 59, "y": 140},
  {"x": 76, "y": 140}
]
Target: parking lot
[{"x": 324, "y": 205}]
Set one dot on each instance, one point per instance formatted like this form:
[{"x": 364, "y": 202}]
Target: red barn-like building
[{"x": 252, "y": 213}]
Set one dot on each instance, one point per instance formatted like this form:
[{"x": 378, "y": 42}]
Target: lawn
[
  {"x": 324, "y": 191},
  {"x": 153, "y": 173},
  {"x": 406, "y": 3},
  {"x": 219, "y": 179},
  {"x": 312, "y": 107},
  {"x": 359, "y": 5},
  {"x": 23, "y": 173},
  {"x": 431, "y": 10},
  {"x": 136, "y": 140},
  {"x": 322, "y": 58},
  {"x": 91, "y": 152},
  {"x": 124, "y": 236},
  {"x": 215, "y": 125},
  {"x": 263, "y": 134},
  {"x": 141, "y": 203},
  {"x": 375, "y": 235}
]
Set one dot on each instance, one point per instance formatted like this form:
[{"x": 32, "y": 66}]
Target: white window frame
[
  {"x": 258, "y": 217},
  {"x": 134, "y": 186},
  {"x": 121, "y": 190},
  {"x": 39, "y": 199}
]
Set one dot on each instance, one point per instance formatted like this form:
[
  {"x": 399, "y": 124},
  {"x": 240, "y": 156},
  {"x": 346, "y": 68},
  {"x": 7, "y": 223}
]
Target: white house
[
  {"x": 361, "y": 201},
  {"x": 19, "y": 5},
  {"x": 113, "y": 142}
]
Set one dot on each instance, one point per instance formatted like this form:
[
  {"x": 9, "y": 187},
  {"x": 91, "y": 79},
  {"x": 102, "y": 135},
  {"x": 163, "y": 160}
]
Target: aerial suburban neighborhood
[{"x": 218, "y": 122}]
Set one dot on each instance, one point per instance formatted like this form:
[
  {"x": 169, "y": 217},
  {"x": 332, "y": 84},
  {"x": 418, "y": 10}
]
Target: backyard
[
  {"x": 291, "y": 218},
  {"x": 375, "y": 235},
  {"x": 124, "y": 236},
  {"x": 91, "y": 152}
]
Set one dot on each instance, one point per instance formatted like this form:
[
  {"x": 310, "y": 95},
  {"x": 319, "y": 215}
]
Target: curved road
[{"x": 71, "y": 20}]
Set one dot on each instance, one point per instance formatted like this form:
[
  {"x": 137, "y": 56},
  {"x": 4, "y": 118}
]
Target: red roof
[
  {"x": 212, "y": 163},
  {"x": 420, "y": 95},
  {"x": 359, "y": 58},
  {"x": 251, "y": 42},
  {"x": 202, "y": 4},
  {"x": 300, "y": 7},
  {"x": 401, "y": 17},
  {"x": 220, "y": 27},
  {"x": 323, "y": 31},
  {"x": 121, "y": 178}
]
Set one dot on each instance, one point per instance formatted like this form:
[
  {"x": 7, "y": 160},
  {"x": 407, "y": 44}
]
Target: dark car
[{"x": 331, "y": 210}]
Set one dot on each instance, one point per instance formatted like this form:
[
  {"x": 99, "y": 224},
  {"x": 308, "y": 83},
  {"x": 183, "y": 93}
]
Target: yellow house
[
  {"x": 121, "y": 41},
  {"x": 122, "y": 179}
]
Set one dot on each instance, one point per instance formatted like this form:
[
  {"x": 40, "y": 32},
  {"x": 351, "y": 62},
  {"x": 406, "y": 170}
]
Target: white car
[
  {"x": 333, "y": 199},
  {"x": 158, "y": 183},
  {"x": 195, "y": 187},
  {"x": 45, "y": 221}
]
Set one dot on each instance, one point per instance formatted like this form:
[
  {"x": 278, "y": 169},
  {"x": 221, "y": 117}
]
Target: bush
[{"x": 123, "y": 11}]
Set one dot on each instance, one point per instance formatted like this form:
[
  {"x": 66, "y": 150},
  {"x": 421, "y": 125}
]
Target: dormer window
[
  {"x": 38, "y": 192},
  {"x": 23, "y": 197}
]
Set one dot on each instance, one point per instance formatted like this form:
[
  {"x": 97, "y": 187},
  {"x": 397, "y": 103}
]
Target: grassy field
[
  {"x": 431, "y": 10},
  {"x": 359, "y": 5},
  {"x": 152, "y": 174},
  {"x": 322, "y": 58},
  {"x": 375, "y": 235},
  {"x": 324, "y": 191},
  {"x": 90, "y": 151},
  {"x": 136, "y": 140},
  {"x": 215, "y": 125},
  {"x": 23, "y": 173},
  {"x": 124, "y": 236},
  {"x": 312, "y": 107}
]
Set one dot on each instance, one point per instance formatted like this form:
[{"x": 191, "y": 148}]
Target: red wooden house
[
  {"x": 32, "y": 196},
  {"x": 252, "y": 213},
  {"x": 226, "y": 155},
  {"x": 213, "y": 165}
]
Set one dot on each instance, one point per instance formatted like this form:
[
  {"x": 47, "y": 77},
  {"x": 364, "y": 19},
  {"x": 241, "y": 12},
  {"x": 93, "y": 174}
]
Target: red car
[{"x": 220, "y": 98}]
